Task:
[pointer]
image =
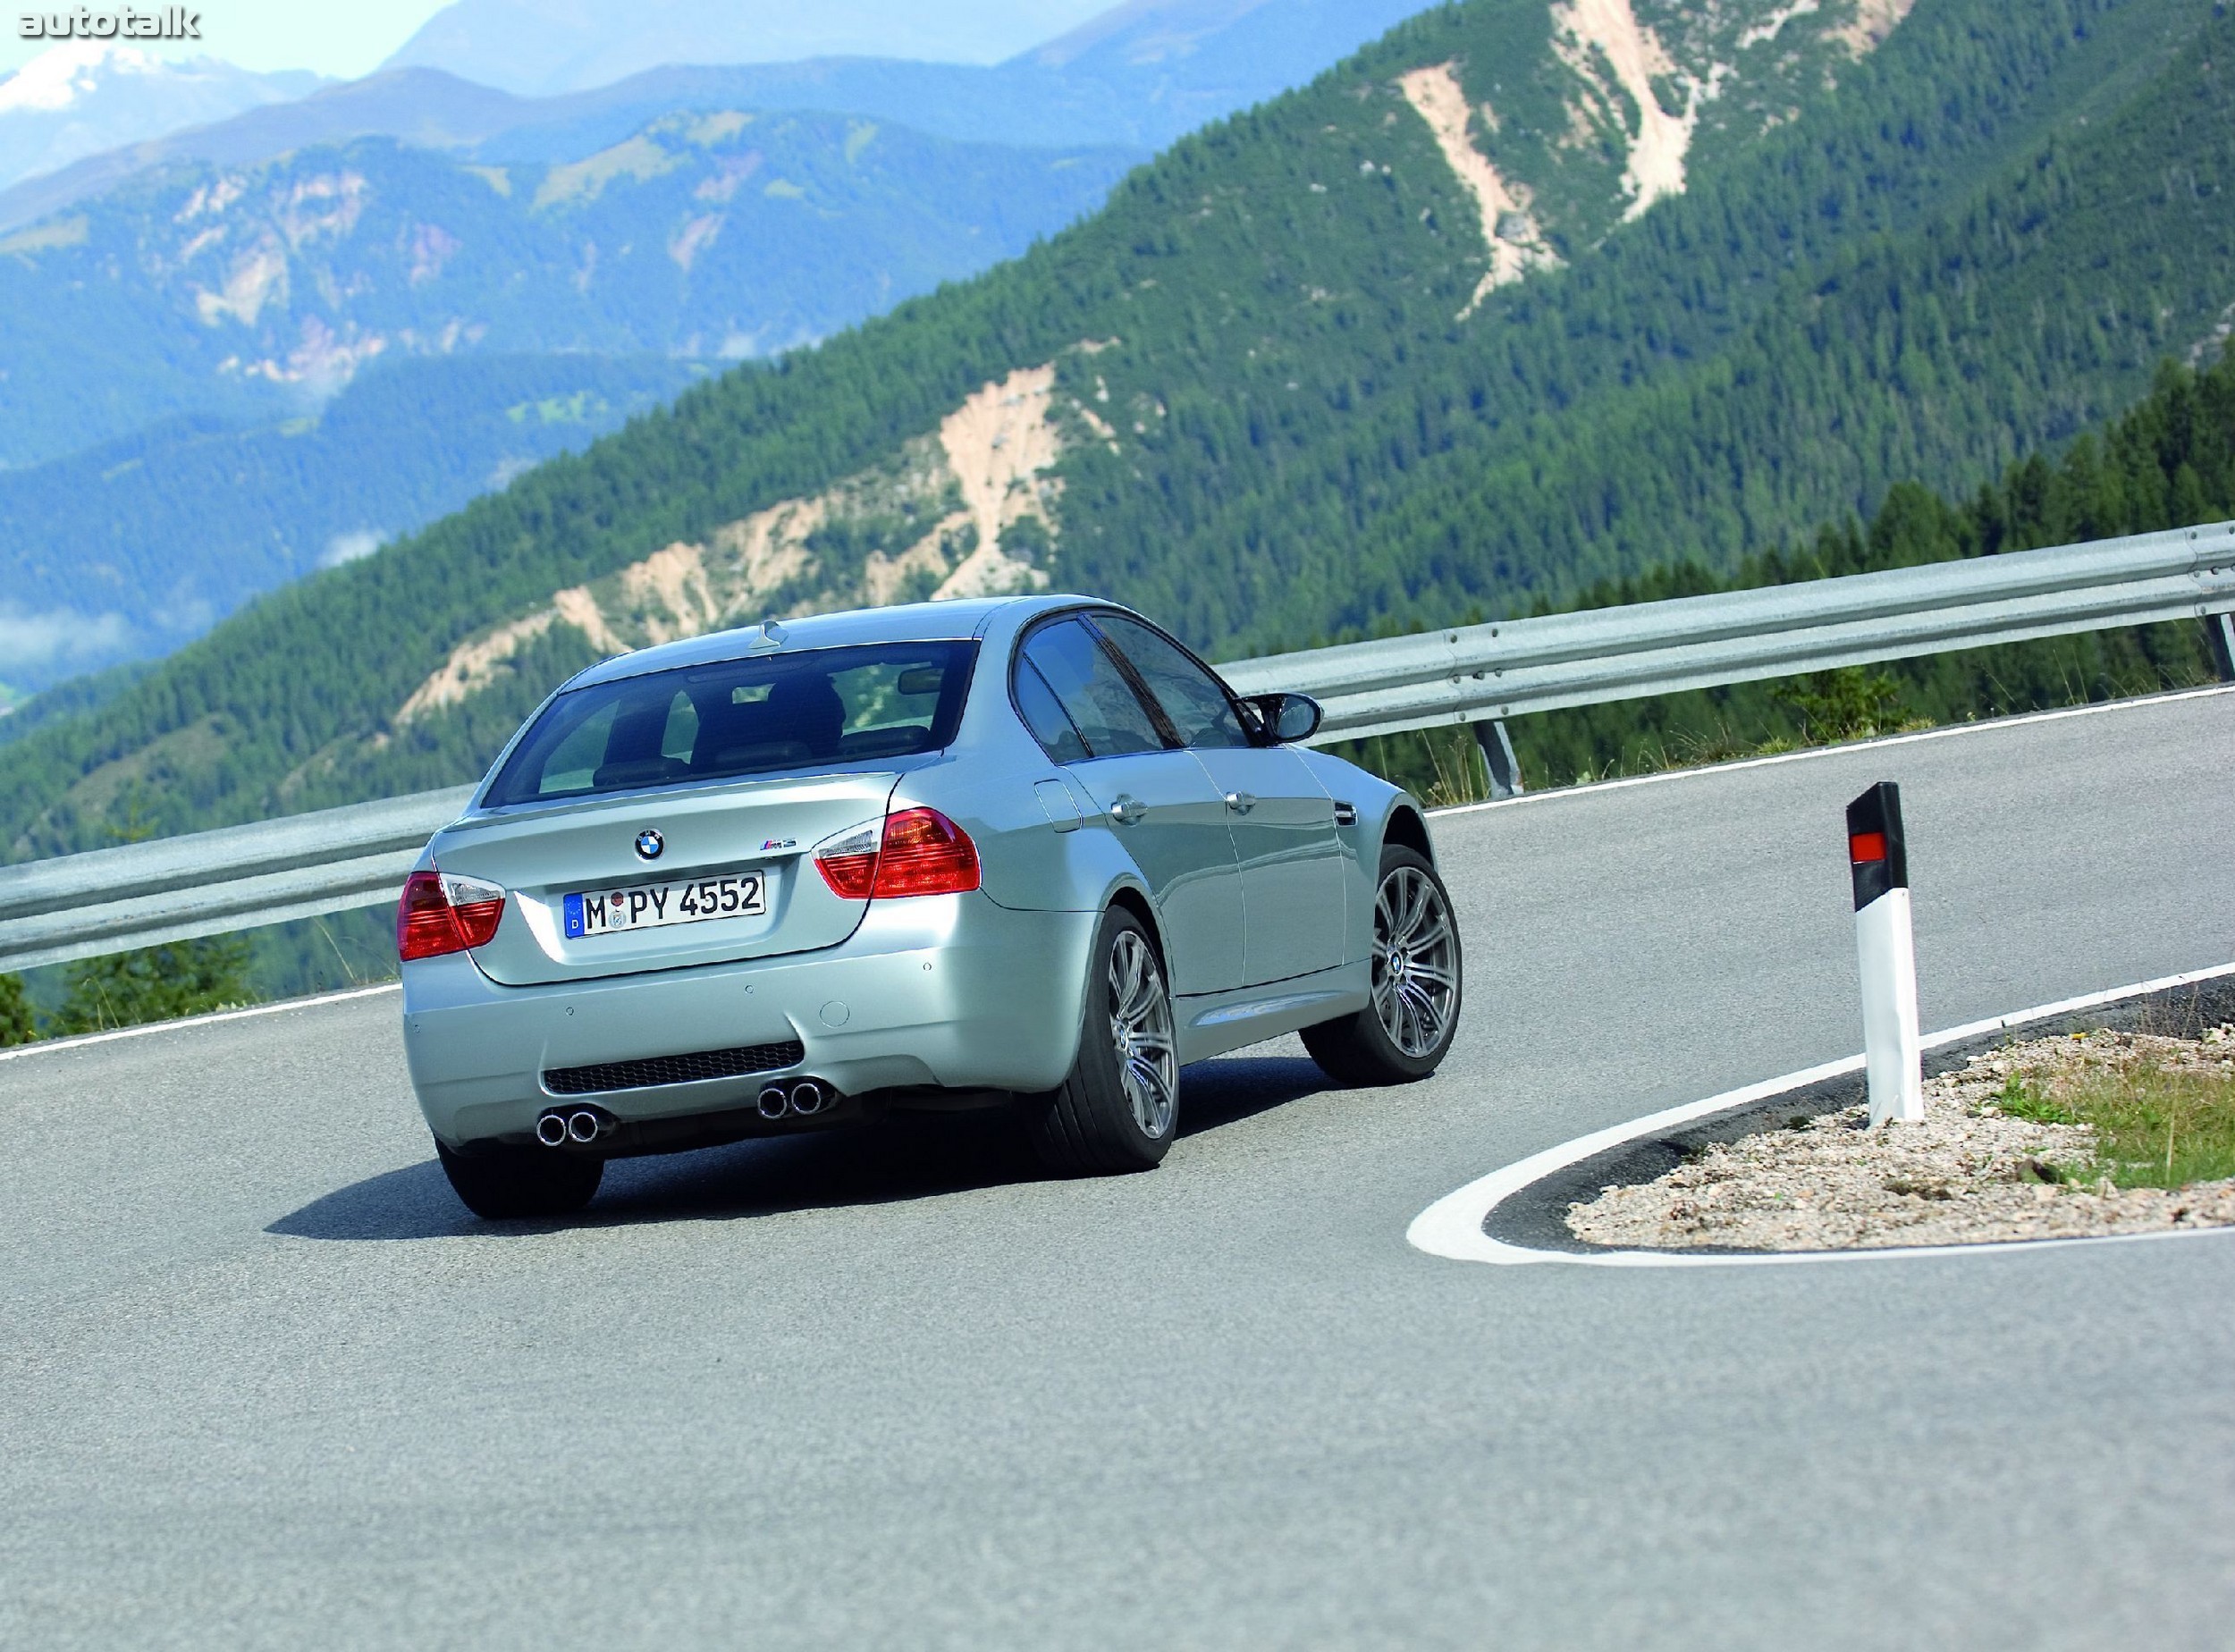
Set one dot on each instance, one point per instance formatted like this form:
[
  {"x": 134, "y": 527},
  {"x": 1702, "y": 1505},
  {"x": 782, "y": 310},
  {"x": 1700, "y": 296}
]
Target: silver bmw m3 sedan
[{"x": 1025, "y": 852}]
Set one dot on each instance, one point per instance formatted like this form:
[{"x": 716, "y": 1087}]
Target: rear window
[{"x": 704, "y": 722}]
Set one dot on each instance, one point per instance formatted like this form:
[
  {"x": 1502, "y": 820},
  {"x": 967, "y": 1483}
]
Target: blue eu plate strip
[{"x": 574, "y": 917}]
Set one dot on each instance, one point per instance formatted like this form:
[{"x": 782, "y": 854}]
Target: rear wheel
[
  {"x": 1118, "y": 1108},
  {"x": 500, "y": 1183},
  {"x": 1407, "y": 1025}
]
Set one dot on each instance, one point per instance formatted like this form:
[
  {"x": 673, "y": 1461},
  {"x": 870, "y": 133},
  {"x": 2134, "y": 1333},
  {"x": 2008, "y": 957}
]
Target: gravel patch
[{"x": 1966, "y": 1174}]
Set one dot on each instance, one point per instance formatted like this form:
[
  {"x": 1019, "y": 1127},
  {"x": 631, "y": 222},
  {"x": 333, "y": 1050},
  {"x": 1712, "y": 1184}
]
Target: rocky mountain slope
[{"x": 1524, "y": 297}]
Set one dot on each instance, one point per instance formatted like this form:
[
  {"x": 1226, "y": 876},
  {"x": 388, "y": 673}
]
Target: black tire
[
  {"x": 1107, "y": 1117},
  {"x": 504, "y": 1184},
  {"x": 1365, "y": 1049}
]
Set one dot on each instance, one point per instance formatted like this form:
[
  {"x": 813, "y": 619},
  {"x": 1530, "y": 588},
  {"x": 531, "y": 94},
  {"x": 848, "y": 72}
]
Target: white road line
[
  {"x": 1553, "y": 793},
  {"x": 1453, "y": 1227},
  {"x": 56, "y": 1046}
]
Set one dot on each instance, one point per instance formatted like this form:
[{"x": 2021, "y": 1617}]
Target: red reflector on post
[{"x": 1866, "y": 847}]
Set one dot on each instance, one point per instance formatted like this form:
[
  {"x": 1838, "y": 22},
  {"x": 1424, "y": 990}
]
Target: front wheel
[
  {"x": 1118, "y": 1108},
  {"x": 1407, "y": 1027},
  {"x": 500, "y": 1183}
]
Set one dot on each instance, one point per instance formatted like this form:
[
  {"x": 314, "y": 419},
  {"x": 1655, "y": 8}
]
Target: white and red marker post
[{"x": 1887, "y": 949}]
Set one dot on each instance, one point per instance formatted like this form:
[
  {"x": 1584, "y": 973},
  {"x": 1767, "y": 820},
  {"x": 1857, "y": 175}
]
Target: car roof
[{"x": 962, "y": 619}]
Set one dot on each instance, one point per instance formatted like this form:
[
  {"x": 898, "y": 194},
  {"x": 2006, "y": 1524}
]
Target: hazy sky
[{"x": 344, "y": 38}]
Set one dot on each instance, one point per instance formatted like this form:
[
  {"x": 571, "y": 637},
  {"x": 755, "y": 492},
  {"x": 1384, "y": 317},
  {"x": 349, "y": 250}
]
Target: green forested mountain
[
  {"x": 1521, "y": 299},
  {"x": 2167, "y": 462}
]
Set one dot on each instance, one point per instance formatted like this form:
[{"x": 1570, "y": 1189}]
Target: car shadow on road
[{"x": 906, "y": 1157}]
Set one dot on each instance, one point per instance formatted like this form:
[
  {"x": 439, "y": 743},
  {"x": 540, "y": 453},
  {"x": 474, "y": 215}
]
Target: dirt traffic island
[{"x": 2073, "y": 1136}]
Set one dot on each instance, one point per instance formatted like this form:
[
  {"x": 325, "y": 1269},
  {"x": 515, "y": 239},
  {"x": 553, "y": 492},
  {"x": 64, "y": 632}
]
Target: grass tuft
[{"x": 2154, "y": 1127}]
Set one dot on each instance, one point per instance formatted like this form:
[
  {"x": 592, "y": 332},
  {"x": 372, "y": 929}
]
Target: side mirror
[{"x": 1288, "y": 718}]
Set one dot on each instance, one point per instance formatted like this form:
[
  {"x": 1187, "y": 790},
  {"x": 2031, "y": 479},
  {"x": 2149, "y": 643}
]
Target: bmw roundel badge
[{"x": 649, "y": 843}]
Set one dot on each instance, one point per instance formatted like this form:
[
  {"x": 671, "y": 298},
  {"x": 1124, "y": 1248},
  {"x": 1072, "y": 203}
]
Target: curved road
[{"x": 263, "y": 1384}]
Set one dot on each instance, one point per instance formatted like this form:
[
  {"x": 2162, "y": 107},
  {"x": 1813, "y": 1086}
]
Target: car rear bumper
[{"x": 951, "y": 990}]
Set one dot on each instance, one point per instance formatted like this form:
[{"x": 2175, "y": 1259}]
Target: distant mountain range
[
  {"x": 252, "y": 291},
  {"x": 89, "y": 96},
  {"x": 135, "y": 546},
  {"x": 1137, "y": 78},
  {"x": 541, "y": 46},
  {"x": 170, "y": 346},
  {"x": 175, "y": 313}
]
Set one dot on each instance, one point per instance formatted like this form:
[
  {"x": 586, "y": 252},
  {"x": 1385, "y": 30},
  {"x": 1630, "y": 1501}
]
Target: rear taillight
[
  {"x": 442, "y": 912},
  {"x": 926, "y": 854},
  {"x": 915, "y": 852},
  {"x": 848, "y": 862}
]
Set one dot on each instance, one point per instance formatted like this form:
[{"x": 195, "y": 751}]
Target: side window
[
  {"x": 1086, "y": 683},
  {"x": 1191, "y": 697},
  {"x": 1044, "y": 716}
]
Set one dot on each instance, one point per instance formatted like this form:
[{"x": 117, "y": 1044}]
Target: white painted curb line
[
  {"x": 1452, "y": 1225},
  {"x": 45, "y": 1047}
]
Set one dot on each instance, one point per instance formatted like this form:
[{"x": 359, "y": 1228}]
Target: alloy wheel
[
  {"x": 1415, "y": 981},
  {"x": 1141, "y": 1034}
]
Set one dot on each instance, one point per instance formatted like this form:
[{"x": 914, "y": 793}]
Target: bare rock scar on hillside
[
  {"x": 1509, "y": 229},
  {"x": 930, "y": 523}
]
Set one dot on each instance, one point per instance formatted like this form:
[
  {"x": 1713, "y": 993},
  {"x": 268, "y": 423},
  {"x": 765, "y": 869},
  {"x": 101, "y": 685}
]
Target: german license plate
[{"x": 656, "y": 906}]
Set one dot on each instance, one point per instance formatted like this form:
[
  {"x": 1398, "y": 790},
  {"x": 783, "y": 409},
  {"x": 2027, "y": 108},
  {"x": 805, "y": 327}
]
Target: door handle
[
  {"x": 1127, "y": 811},
  {"x": 1241, "y": 803}
]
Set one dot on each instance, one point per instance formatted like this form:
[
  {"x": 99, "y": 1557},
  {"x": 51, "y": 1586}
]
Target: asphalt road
[{"x": 263, "y": 1384}]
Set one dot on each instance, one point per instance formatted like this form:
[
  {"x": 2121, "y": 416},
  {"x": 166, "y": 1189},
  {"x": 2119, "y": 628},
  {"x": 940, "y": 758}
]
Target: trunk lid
[{"x": 542, "y": 855}]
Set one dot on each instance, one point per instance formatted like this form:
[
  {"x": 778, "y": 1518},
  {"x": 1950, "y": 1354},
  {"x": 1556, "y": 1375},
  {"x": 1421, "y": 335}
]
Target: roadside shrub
[
  {"x": 16, "y": 1023},
  {"x": 159, "y": 983}
]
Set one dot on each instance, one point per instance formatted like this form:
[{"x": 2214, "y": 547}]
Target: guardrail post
[
  {"x": 1498, "y": 761},
  {"x": 1878, "y": 855},
  {"x": 2218, "y": 633}
]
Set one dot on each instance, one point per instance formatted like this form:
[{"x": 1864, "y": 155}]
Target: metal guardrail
[
  {"x": 303, "y": 865},
  {"x": 1481, "y": 672},
  {"x": 210, "y": 882}
]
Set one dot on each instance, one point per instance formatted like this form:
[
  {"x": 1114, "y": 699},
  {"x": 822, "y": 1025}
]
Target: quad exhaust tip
[
  {"x": 585, "y": 1127},
  {"x": 580, "y": 1125},
  {"x": 802, "y": 1098}
]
